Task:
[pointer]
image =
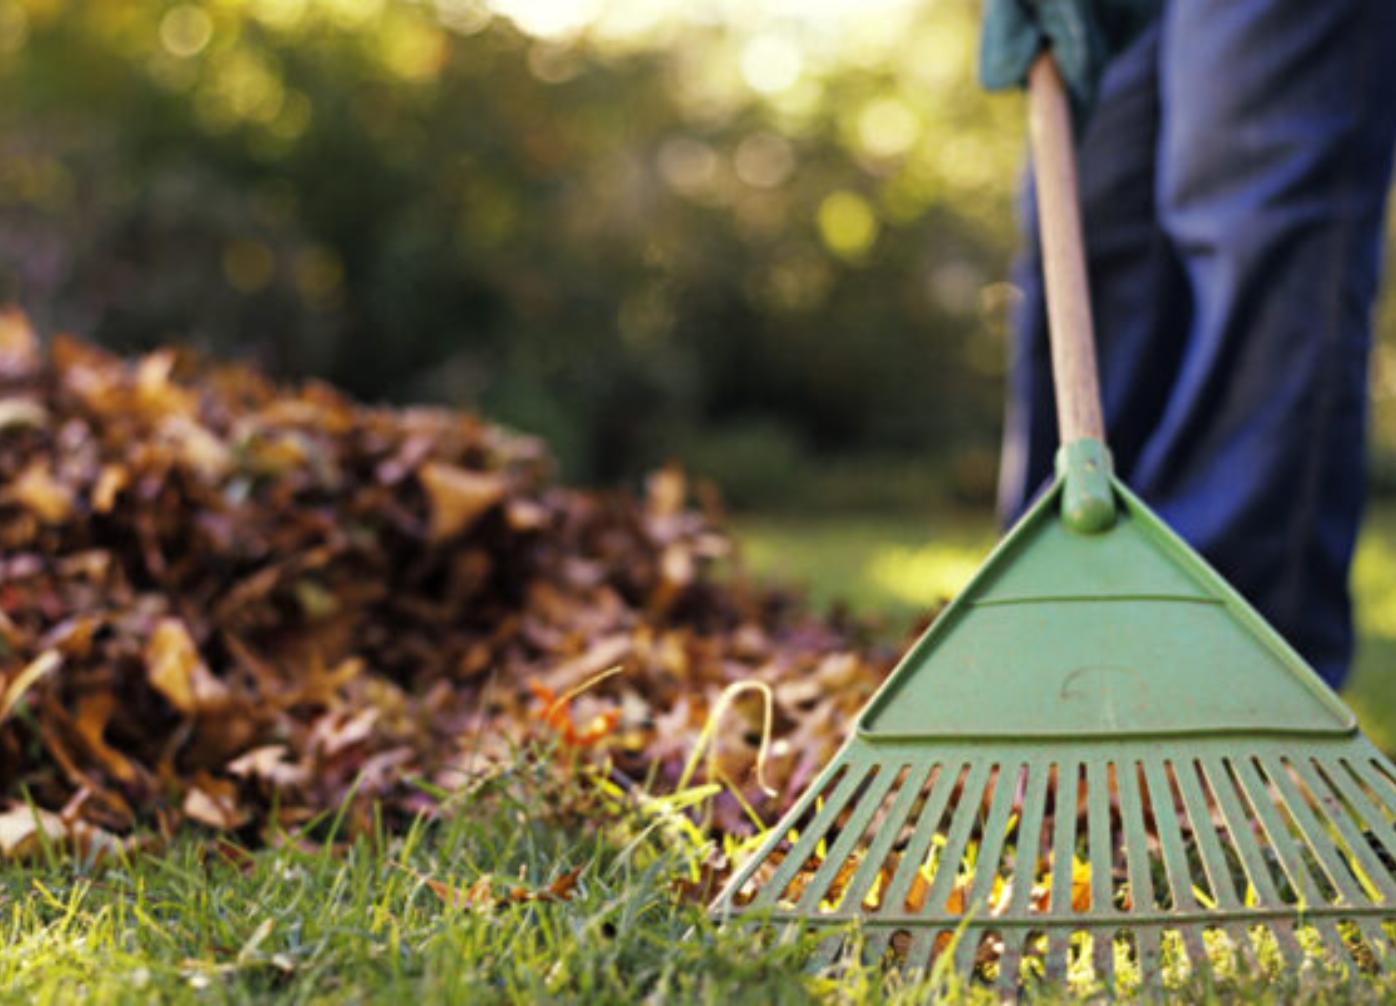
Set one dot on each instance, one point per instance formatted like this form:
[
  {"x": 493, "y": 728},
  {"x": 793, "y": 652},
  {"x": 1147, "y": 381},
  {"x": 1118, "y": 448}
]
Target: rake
[{"x": 1099, "y": 757}]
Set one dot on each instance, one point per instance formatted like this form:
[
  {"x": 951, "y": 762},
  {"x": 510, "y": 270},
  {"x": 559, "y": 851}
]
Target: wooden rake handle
[{"x": 1063, "y": 256}]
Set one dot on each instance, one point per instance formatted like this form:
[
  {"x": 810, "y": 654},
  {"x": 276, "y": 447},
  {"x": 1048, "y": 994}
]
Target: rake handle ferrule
[{"x": 1088, "y": 503}]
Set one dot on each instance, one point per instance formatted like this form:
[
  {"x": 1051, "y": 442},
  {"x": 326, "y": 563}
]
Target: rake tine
[
  {"x": 1174, "y": 858},
  {"x": 1376, "y": 875},
  {"x": 1375, "y": 941},
  {"x": 798, "y": 855},
  {"x": 1010, "y": 964},
  {"x": 1146, "y": 948},
  {"x": 1102, "y": 867},
  {"x": 1055, "y": 963},
  {"x": 1377, "y": 817},
  {"x": 1324, "y": 850},
  {"x": 915, "y": 852},
  {"x": 1064, "y": 839},
  {"x": 1205, "y": 833},
  {"x": 1241, "y": 946},
  {"x": 1103, "y": 957},
  {"x": 875, "y": 945},
  {"x": 1098, "y": 836},
  {"x": 723, "y": 904},
  {"x": 1196, "y": 947},
  {"x": 962, "y": 821},
  {"x": 1238, "y": 825},
  {"x": 1376, "y": 825},
  {"x": 1029, "y": 838},
  {"x": 1063, "y": 860},
  {"x": 1376, "y": 772},
  {"x": 842, "y": 847},
  {"x": 966, "y": 948},
  {"x": 826, "y": 950},
  {"x": 1258, "y": 796},
  {"x": 1169, "y": 836},
  {"x": 1141, "y": 884},
  {"x": 918, "y": 954},
  {"x": 1338, "y": 953},
  {"x": 1285, "y": 940},
  {"x": 881, "y": 844},
  {"x": 992, "y": 840}
]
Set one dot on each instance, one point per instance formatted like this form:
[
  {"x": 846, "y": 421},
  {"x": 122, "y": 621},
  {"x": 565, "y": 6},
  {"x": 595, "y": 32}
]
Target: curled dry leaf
[
  {"x": 19, "y": 685},
  {"x": 458, "y": 497},
  {"x": 214, "y": 802},
  {"x": 25, "y": 830},
  {"x": 174, "y": 668}
]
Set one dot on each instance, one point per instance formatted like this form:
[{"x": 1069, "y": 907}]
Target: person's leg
[
  {"x": 1279, "y": 119},
  {"x": 1138, "y": 290}
]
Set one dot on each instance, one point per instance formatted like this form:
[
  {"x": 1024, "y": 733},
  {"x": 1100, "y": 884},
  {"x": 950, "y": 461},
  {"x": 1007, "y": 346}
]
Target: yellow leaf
[
  {"x": 39, "y": 492},
  {"x": 112, "y": 480},
  {"x": 93, "y": 713},
  {"x": 1080, "y": 885},
  {"x": 24, "y": 680},
  {"x": 458, "y": 497},
  {"x": 174, "y": 669}
]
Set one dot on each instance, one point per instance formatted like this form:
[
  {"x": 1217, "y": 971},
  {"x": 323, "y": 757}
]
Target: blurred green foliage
[
  {"x": 762, "y": 239},
  {"x": 692, "y": 238}
]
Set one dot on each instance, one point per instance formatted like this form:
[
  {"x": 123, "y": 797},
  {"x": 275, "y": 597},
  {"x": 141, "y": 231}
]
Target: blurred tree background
[{"x": 765, "y": 237}]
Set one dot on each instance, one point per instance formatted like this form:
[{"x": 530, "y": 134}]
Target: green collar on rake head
[{"x": 1098, "y": 703}]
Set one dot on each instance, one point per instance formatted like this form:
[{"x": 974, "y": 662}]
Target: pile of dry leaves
[{"x": 223, "y": 599}]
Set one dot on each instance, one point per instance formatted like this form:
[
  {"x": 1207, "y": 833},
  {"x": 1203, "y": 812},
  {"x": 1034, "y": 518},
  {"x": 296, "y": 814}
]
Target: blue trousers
[{"x": 1233, "y": 181}]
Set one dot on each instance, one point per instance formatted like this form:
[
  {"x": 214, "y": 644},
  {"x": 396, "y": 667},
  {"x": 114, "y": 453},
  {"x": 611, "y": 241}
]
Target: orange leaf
[
  {"x": 173, "y": 667},
  {"x": 19, "y": 346},
  {"x": 477, "y": 895}
]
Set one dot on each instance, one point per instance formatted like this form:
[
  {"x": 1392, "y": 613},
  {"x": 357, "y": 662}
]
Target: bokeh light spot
[
  {"x": 887, "y": 128},
  {"x": 771, "y": 63},
  {"x": 248, "y": 265},
  {"x": 185, "y": 30},
  {"x": 847, "y": 224},
  {"x": 549, "y": 18},
  {"x": 764, "y": 160},
  {"x": 689, "y": 166}
]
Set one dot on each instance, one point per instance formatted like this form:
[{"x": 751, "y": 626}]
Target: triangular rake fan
[{"x": 1099, "y": 753}]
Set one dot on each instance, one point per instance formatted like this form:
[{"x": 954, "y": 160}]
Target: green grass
[
  {"x": 365, "y": 922},
  {"x": 400, "y": 918}
]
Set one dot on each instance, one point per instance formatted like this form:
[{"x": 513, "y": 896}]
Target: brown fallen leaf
[
  {"x": 214, "y": 802},
  {"x": 37, "y": 490},
  {"x": 24, "y": 831},
  {"x": 458, "y": 497},
  {"x": 269, "y": 764},
  {"x": 478, "y": 896},
  {"x": 176, "y": 672},
  {"x": 94, "y": 712}
]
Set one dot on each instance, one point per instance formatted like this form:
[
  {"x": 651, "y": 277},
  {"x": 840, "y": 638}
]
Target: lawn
[{"x": 540, "y": 885}]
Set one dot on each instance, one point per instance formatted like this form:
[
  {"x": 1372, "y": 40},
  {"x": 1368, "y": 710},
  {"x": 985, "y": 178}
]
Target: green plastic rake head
[{"x": 1099, "y": 756}]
